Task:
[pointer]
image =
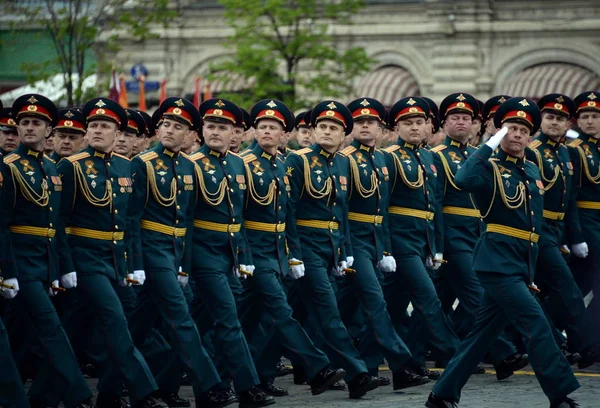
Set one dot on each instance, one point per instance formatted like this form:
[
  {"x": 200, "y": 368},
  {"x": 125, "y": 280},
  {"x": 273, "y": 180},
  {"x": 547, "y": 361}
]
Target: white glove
[
  {"x": 69, "y": 280},
  {"x": 8, "y": 293},
  {"x": 350, "y": 261},
  {"x": 139, "y": 276},
  {"x": 339, "y": 270},
  {"x": 580, "y": 250},
  {"x": 387, "y": 264},
  {"x": 437, "y": 260},
  {"x": 127, "y": 280},
  {"x": 296, "y": 268},
  {"x": 495, "y": 140},
  {"x": 52, "y": 291},
  {"x": 248, "y": 271},
  {"x": 183, "y": 278}
]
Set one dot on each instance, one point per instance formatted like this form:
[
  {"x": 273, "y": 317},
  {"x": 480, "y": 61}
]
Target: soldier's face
[
  {"x": 589, "y": 123},
  {"x": 475, "y": 128},
  {"x": 124, "y": 143},
  {"x": 188, "y": 142},
  {"x": 412, "y": 130},
  {"x": 516, "y": 140},
  {"x": 269, "y": 134},
  {"x": 329, "y": 134},
  {"x": 33, "y": 131},
  {"x": 554, "y": 126},
  {"x": 171, "y": 133},
  {"x": 237, "y": 137},
  {"x": 101, "y": 135},
  {"x": 458, "y": 126},
  {"x": 139, "y": 143},
  {"x": 367, "y": 131},
  {"x": 67, "y": 143},
  {"x": 217, "y": 135},
  {"x": 9, "y": 140},
  {"x": 304, "y": 136}
]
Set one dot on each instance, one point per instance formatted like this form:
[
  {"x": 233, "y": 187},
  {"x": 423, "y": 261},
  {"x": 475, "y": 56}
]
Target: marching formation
[{"x": 156, "y": 251}]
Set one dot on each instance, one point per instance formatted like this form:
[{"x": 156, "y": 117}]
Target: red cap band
[
  {"x": 7, "y": 122},
  {"x": 365, "y": 112},
  {"x": 411, "y": 111},
  {"x": 132, "y": 124},
  {"x": 104, "y": 113},
  {"x": 70, "y": 124},
  {"x": 588, "y": 105},
  {"x": 272, "y": 114},
  {"x": 333, "y": 115},
  {"x": 180, "y": 113},
  {"x": 34, "y": 110},
  {"x": 522, "y": 115},
  {"x": 459, "y": 106},
  {"x": 557, "y": 107},
  {"x": 220, "y": 113}
]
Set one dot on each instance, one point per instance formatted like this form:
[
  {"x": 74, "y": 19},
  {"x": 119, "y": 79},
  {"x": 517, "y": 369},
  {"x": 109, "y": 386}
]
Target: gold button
[
  {"x": 530, "y": 196},
  {"x": 331, "y": 163},
  {"x": 50, "y": 225},
  {"x": 116, "y": 211},
  {"x": 49, "y": 239},
  {"x": 176, "y": 221},
  {"x": 533, "y": 229},
  {"x": 231, "y": 189},
  {"x": 224, "y": 161},
  {"x": 116, "y": 227},
  {"x": 178, "y": 191},
  {"x": 232, "y": 234},
  {"x": 231, "y": 205},
  {"x": 108, "y": 164},
  {"x": 50, "y": 208},
  {"x": 229, "y": 176},
  {"x": 179, "y": 177},
  {"x": 115, "y": 242},
  {"x": 112, "y": 179},
  {"x": 114, "y": 194},
  {"x": 233, "y": 220},
  {"x": 532, "y": 213},
  {"x": 378, "y": 210},
  {"x": 49, "y": 192},
  {"x": 178, "y": 207},
  {"x": 527, "y": 181},
  {"x": 176, "y": 162},
  {"x": 279, "y": 208},
  {"x": 333, "y": 177},
  {"x": 334, "y": 204}
]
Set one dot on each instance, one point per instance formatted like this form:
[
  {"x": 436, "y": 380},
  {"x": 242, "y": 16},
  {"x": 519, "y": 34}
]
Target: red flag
[
  {"x": 142, "y": 93},
  {"x": 197, "y": 92},
  {"x": 115, "y": 87},
  {"x": 207, "y": 92},
  {"x": 123, "y": 93},
  {"x": 163, "y": 90}
]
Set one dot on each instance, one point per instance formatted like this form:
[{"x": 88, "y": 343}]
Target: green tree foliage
[
  {"x": 287, "y": 46},
  {"x": 76, "y": 27}
]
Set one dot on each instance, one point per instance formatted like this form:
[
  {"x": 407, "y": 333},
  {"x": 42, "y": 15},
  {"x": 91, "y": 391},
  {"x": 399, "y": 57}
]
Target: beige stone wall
[{"x": 469, "y": 45}]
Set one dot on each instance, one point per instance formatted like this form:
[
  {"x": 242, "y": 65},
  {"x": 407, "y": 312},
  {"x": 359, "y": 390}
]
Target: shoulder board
[
  {"x": 78, "y": 156},
  {"x": 185, "y": 155},
  {"x": 148, "y": 156},
  {"x": 348, "y": 151},
  {"x": 196, "y": 156},
  {"x": 11, "y": 158},
  {"x": 51, "y": 160},
  {"x": 493, "y": 159},
  {"x": 535, "y": 144},
  {"x": 303, "y": 151},
  {"x": 574, "y": 143},
  {"x": 439, "y": 148},
  {"x": 249, "y": 157},
  {"x": 234, "y": 154},
  {"x": 121, "y": 156},
  {"x": 392, "y": 148}
]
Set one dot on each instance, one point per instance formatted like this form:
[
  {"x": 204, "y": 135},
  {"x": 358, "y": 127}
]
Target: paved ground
[{"x": 482, "y": 391}]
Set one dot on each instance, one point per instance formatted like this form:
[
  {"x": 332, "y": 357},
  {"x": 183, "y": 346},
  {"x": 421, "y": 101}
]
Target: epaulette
[
  {"x": 196, "y": 156},
  {"x": 535, "y": 144},
  {"x": 303, "y": 151},
  {"x": 121, "y": 156},
  {"x": 575, "y": 142},
  {"x": 145, "y": 157},
  {"x": 439, "y": 148},
  {"x": 235, "y": 154},
  {"x": 49, "y": 158},
  {"x": 249, "y": 158},
  {"x": 185, "y": 155},
  {"x": 11, "y": 158},
  {"x": 494, "y": 159},
  {"x": 77, "y": 156},
  {"x": 348, "y": 151},
  {"x": 392, "y": 148}
]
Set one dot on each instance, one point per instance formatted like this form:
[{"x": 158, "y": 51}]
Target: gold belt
[
  {"x": 551, "y": 215},
  {"x": 94, "y": 234},
  {"x": 371, "y": 219},
  {"x": 330, "y": 225},
  {"x": 162, "y": 228},
  {"x": 411, "y": 212},
  {"x": 465, "y": 212},
  {"x": 37, "y": 231},
  {"x": 589, "y": 205},
  {"x": 264, "y": 226},
  {"x": 513, "y": 232},
  {"x": 215, "y": 226}
]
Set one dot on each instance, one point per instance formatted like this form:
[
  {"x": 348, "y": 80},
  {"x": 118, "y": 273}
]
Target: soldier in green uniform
[
  {"x": 508, "y": 191},
  {"x": 126, "y": 140},
  {"x": 585, "y": 154},
  {"x": 161, "y": 214},
  {"x": 462, "y": 227},
  {"x": 317, "y": 236},
  {"x": 265, "y": 213},
  {"x": 487, "y": 116},
  {"x": 68, "y": 133},
  {"x": 219, "y": 236},
  {"x": 141, "y": 142},
  {"x": 368, "y": 193},
  {"x": 12, "y": 393},
  {"x": 413, "y": 232},
  {"x": 560, "y": 291},
  {"x": 29, "y": 239},
  {"x": 9, "y": 138},
  {"x": 96, "y": 192},
  {"x": 303, "y": 131}
]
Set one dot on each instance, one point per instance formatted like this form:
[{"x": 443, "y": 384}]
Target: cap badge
[
  {"x": 592, "y": 96},
  {"x": 521, "y": 114},
  {"x": 220, "y": 104},
  {"x": 68, "y": 123},
  {"x": 330, "y": 113},
  {"x": 365, "y": 111},
  {"x": 331, "y": 106},
  {"x": 271, "y": 104},
  {"x": 179, "y": 102},
  {"x": 32, "y": 99},
  {"x": 558, "y": 106},
  {"x": 502, "y": 99},
  {"x": 365, "y": 102},
  {"x": 177, "y": 111},
  {"x": 560, "y": 99},
  {"x": 524, "y": 102},
  {"x": 69, "y": 114},
  {"x": 218, "y": 112},
  {"x": 460, "y": 105},
  {"x": 100, "y": 111},
  {"x": 460, "y": 97},
  {"x": 411, "y": 101},
  {"x": 32, "y": 108},
  {"x": 100, "y": 103}
]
